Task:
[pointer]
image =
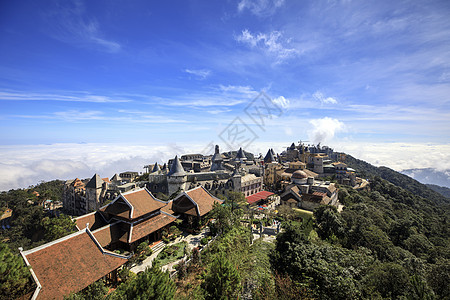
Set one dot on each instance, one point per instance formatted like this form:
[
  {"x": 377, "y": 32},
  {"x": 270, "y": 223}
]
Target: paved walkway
[{"x": 192, "y": 242}]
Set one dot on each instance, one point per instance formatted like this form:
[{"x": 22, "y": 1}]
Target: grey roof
[
  {"x": 156, "y": 168},
  {"x": 240, "y": 154},
  {"x": 292, "y": 146},
  {"x": 116, "y": 178},
  {"x": 176, "y": 169},
  {"x": 95, "y": 182},
  {"x": 269, "y": 157},
  {"x": 273, "y": 152}
]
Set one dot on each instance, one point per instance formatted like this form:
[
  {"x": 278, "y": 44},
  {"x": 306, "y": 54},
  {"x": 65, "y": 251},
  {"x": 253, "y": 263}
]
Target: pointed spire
[
  {"x": 176, "y": 169},
  {"x": 269, "y": 157},
  {"x": 95, "y": 182},
  {"x": 292, "y": 146},
  {"x": 156, "y": 168},
  {"x": 273, "y": 152},
  {"x": 240, "y": 154}
]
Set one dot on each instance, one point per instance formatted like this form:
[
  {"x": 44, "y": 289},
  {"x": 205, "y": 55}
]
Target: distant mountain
[
  {"x": 366, "y": 170},
  {"x": 429, "y": 176},
  {"x": 444, "y": 191}
]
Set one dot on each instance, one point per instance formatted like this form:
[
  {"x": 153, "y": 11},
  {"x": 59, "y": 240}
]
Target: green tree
[
  {"x": 150, "y": 284},
  {"x": 58, "y": 227},
  {"x": 94, "y": 291},
  {"x": 390, "y": 280},
  {"x": 14, "y": 275},
  {"x": 328, "y": 222},
  {"x": 222, "y": 280}
]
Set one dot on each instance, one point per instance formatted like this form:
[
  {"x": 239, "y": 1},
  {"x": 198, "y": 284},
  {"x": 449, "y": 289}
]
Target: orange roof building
[
  {"x": 195, "y": 202},
  {"x": 69, "y": 264},
  {"x": 129, "y": 219}
]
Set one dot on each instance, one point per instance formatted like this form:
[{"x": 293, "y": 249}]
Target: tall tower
[
  {"x": 236, "y": 178},
  {"x": 176, "y": 178},
  {"x": 93, "y": 193},
  {"x": 216, "y": 160}
]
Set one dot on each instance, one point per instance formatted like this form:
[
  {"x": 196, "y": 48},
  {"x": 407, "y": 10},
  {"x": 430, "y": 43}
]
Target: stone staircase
[{"x": 158, "y": 246}]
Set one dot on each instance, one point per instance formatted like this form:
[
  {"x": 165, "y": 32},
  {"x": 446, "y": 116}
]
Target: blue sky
[{"x": 182, "y": 71}]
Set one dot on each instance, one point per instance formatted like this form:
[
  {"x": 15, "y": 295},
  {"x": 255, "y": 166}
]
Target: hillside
[
  {"x": 444, "y": 191},
  {"x": 369, "y": 171}
]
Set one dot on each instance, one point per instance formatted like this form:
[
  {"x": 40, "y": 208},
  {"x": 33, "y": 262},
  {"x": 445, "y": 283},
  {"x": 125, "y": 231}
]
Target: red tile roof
[
  {"x": 151, "y": 225},
  {"x": 69, "y": 264},
  {"x": 203, "y": 199},
  {"x": 258, "y": 196},
  {"x": 94, "y": 219},
  {"x": 143, "y": 202}
]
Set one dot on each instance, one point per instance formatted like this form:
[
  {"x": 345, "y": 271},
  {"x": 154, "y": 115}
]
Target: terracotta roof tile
[
  {"x": 151, "y": 225},
  {"x": 204, "y": 200},
  {"x": 258, "y": 196},
  {"x": 143, "y": 202},
  {"x": 70, "y": 264},
  {"x": 95, "y": 221}
]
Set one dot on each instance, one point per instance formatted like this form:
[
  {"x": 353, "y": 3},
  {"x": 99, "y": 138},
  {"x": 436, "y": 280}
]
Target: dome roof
[{"x": 299, "y": 174}]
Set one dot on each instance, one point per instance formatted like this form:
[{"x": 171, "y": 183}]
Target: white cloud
[
  {"x": 70, "y": 23},
  {"x": 23, "y": 166},
  {"x": 324, "y": 100},
  {"x": 324, "y": 129},
  {"x": 67, "y": 97},
  {"x": 281, "y": 101},
  {"x": 202, "y": 73},
  {"x": 270, "y": 43},
  {"x": 260, "y": 8},
  {"x": 399, "y": 156}
]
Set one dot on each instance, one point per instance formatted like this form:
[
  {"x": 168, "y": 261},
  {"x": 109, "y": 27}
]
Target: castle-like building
[{"x": 225, "y": 173}]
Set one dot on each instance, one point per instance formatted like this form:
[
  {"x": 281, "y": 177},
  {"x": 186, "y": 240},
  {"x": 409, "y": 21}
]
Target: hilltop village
[{"x": 114, "y": 216}]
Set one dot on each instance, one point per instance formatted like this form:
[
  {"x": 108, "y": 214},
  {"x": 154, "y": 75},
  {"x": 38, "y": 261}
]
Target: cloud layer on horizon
[{"x": 28, "y": 165}]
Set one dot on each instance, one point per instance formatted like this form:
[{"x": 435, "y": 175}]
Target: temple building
[{"x": 70, "y": 264}]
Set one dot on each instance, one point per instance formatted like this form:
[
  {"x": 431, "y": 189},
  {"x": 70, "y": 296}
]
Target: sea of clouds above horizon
[{"x": 25, "y": 165}]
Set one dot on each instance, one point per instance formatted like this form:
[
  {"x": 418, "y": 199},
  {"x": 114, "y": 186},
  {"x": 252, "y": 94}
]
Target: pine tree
[
  {"x": 14, "y": 275},
  {"x": 223, "y": 280}
]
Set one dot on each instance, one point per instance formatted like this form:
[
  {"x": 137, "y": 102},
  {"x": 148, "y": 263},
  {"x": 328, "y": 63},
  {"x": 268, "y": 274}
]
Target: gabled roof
[
  {"x": 176, "y": 169},
  {"x": 112, "y": 233},
  {"x": 95, "y": 182},
  {"x": 140, "y": 201},
  {"x": 77, "y": 183},
  {"x": 150, "y": 225},
  {"x": 202, "y": 201},
  {"x": 94, "y": 219},
  {"x": 156, "y": 168},
  {"x": 69, "y": 264},
  {"x": 116, "y": 177}
]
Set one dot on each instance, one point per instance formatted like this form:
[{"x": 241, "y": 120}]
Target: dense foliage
[
  {"x": 444, "y": 191},
  {"x": 14, "y": 275},
  {"x": 27, "y": 224}
]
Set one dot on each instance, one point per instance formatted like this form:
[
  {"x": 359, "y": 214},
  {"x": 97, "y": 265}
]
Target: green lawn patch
[{"x": 171, "y": 253}]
